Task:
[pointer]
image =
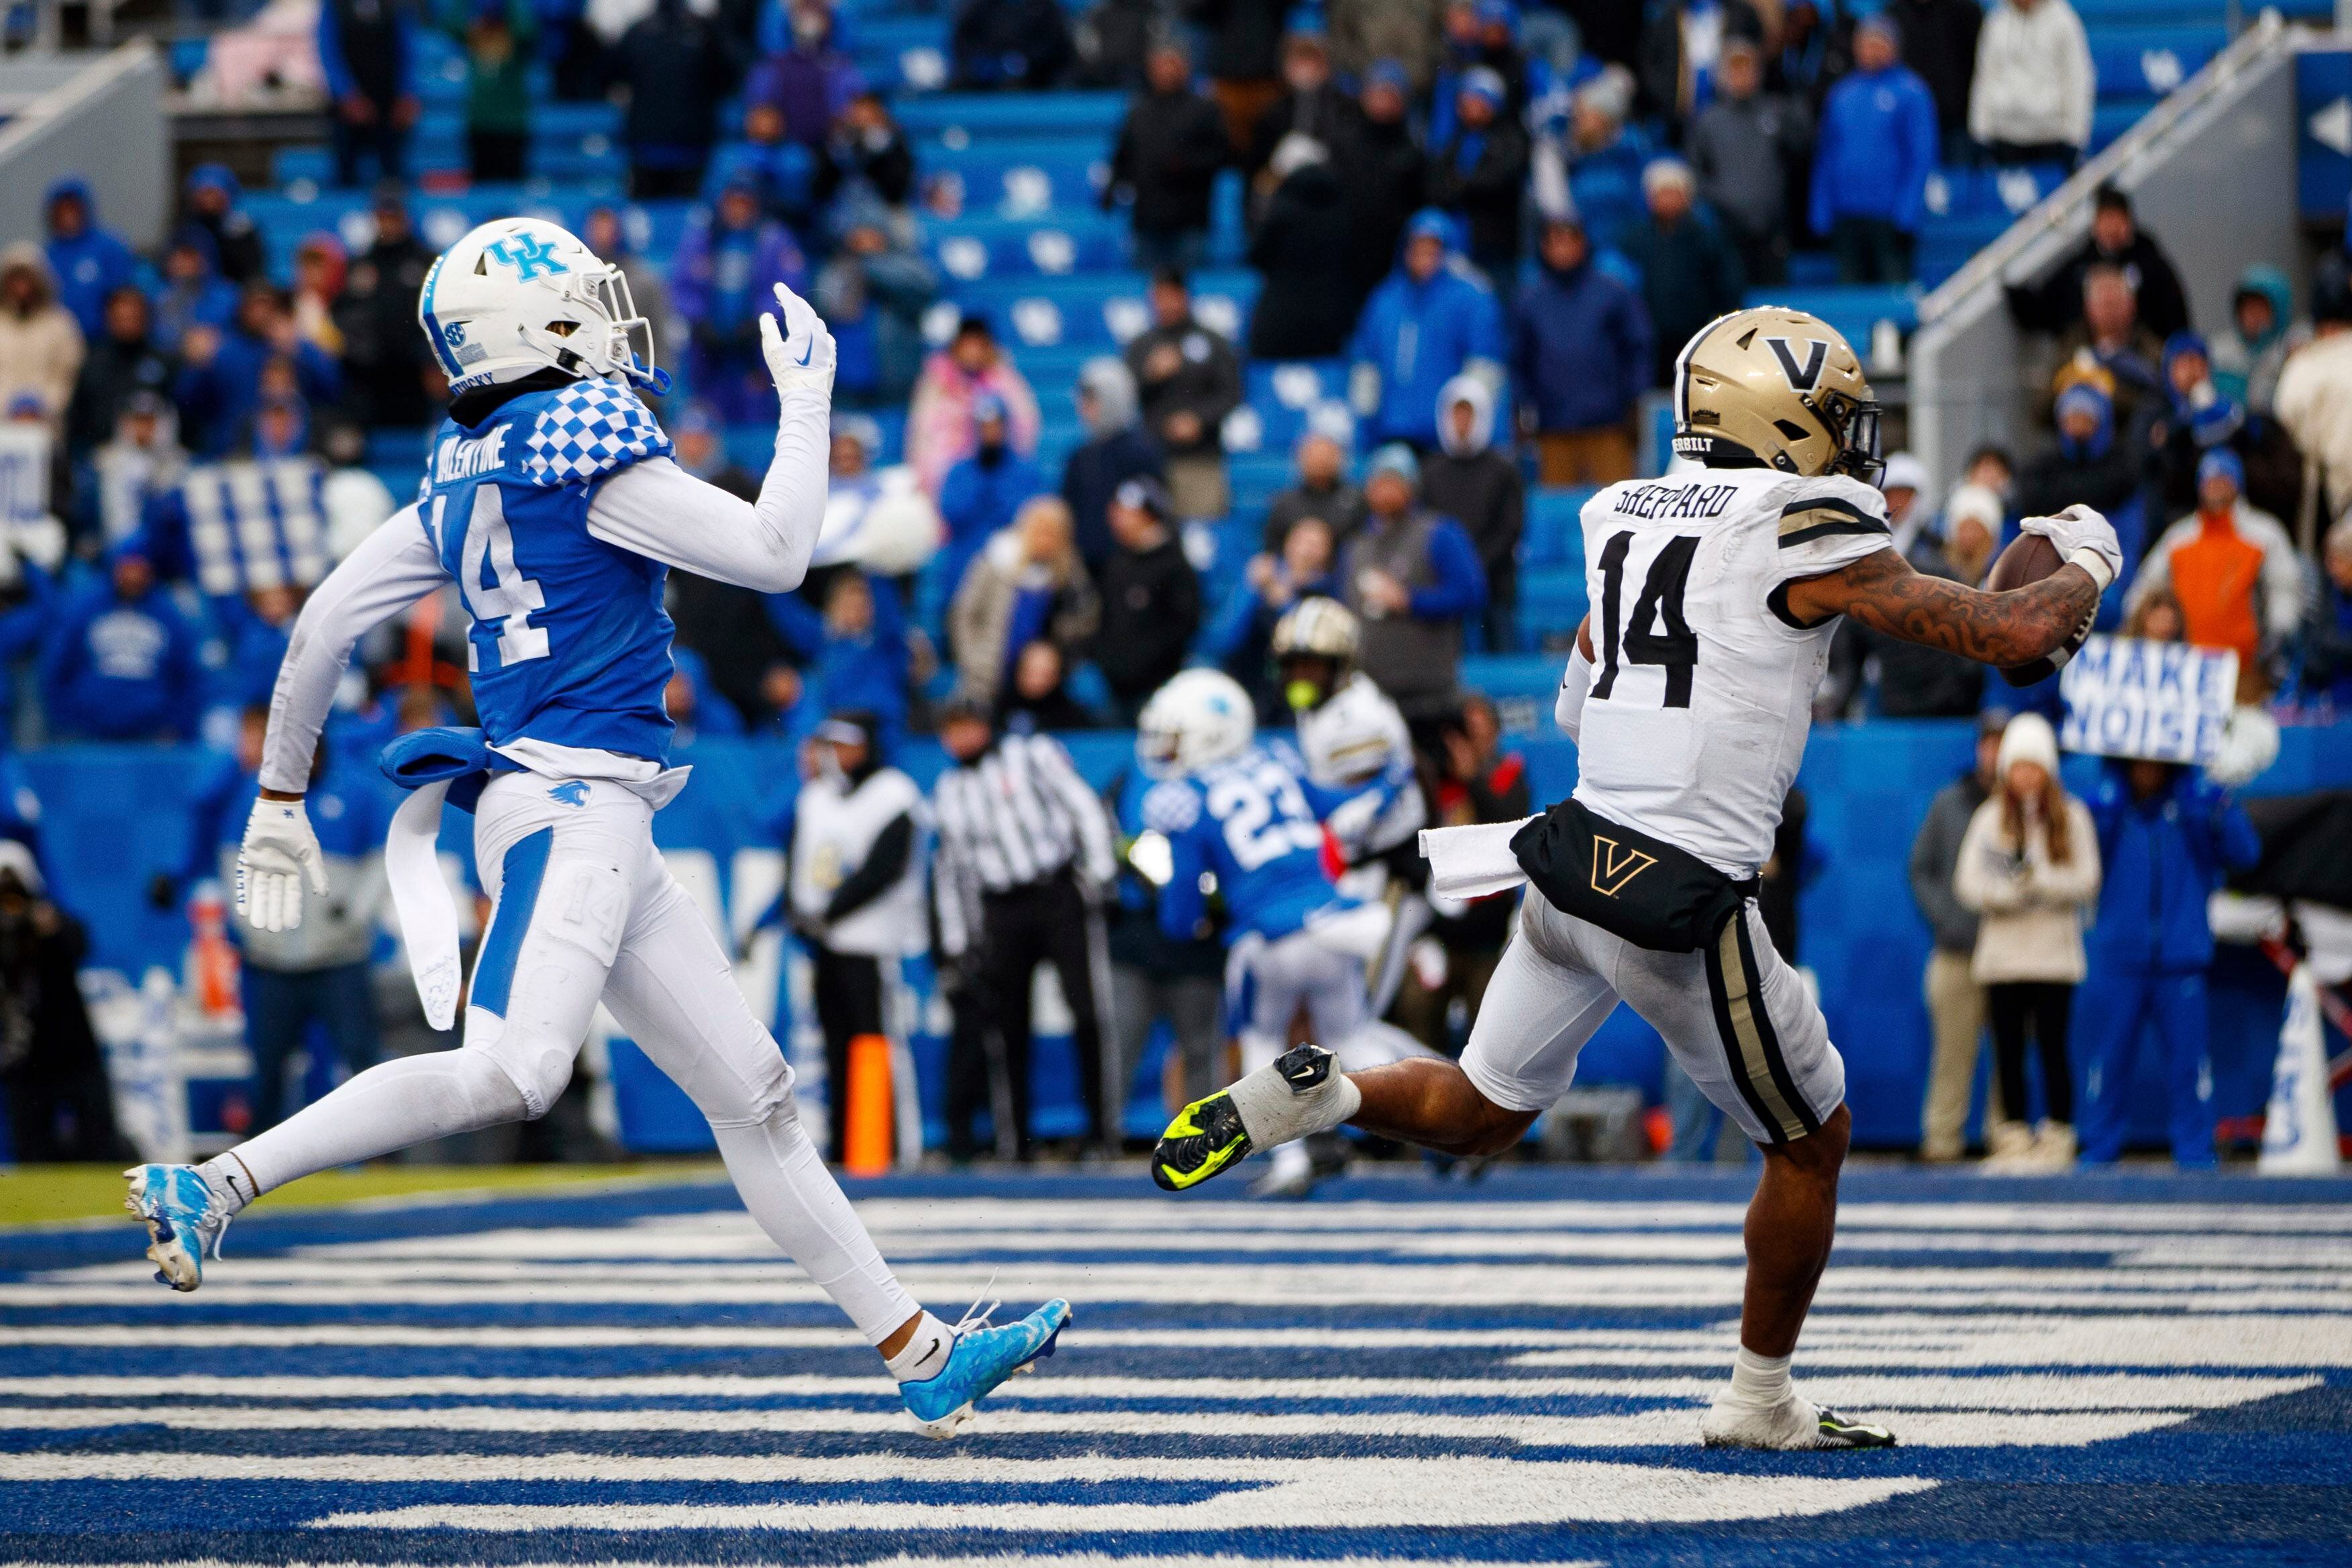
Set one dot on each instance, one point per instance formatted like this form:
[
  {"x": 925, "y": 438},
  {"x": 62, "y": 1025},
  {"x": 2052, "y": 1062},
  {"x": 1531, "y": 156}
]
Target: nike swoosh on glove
[
  {"x": 2079, "y": 532},
  {"x": 280, "y": 855},
  {"x": 799, "y": 351}
]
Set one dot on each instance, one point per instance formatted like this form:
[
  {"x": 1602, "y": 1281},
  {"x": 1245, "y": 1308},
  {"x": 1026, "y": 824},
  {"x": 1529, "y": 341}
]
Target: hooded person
[
  {"x": 209, "y": 202},
  {"x": 2248, "y": 354},
  {"x": 2233, "y": 569},
  {"x": 2091, "y": 466},
  {"x": 1478, "y": 484},
  {"x": 1304, "y": 248},
  {"x": 2201, "y": 418},
  {"x": 89, "y": 262},
  {"x": 119, "y": 660},
  {"x": 40, "y": 343},
  {"x": 1115, "y": 450},
  {"x": 1480, "y": 174},
  {"x": 1581, "y": 358},
  {"x": 728, "y": 265},
  {"x": 1427, "y": 322},
  {"x": 194, "y": 294},
  {"x": 981, "y": 494}
]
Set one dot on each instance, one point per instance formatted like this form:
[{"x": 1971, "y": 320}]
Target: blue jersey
[
  {"x": 570, "y": 645},
  {"x": 1246, "y": 822}
]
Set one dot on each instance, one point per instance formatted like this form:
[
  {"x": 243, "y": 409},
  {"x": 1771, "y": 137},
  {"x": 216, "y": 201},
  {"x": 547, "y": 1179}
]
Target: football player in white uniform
[
  {"x": 1360, "y": 774},
  {"x": 551, "y": 503},
  {"x": 1714, "y": 594}
]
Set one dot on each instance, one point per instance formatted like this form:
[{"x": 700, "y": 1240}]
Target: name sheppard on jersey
[
  {"x": 1676, "y": 500},
  {"x": 463, "y": 459}
]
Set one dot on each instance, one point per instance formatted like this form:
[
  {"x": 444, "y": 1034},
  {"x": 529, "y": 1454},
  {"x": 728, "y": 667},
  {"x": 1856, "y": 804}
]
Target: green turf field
[{"x": 49, "y": 1195}]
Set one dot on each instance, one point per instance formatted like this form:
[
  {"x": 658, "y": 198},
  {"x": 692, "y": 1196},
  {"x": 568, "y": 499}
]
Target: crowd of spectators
[{"x": 1503, "y": 226}]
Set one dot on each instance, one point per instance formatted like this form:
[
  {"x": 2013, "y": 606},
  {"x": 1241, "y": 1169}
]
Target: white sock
[
  {"x": 785, "y": 1185},
  {"x": 1273, "y": 1113},
  {"x": 921, "y": 1357},
  {"x": 1759, "y": 1382},
  {"x": 394, "y": 1104}
]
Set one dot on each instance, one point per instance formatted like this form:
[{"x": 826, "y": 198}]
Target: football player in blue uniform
[
  {"x": 1235, "y": 816},
  {"x": 551, "y": 500}
]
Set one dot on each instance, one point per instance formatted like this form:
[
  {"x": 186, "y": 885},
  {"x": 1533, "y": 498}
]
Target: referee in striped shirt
[{"x": 1025, "y": 851}]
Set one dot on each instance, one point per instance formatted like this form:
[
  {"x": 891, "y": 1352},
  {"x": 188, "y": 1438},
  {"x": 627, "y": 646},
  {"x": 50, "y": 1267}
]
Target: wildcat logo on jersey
[
  {"x": 572, "y": 793},
  {"x": 1802, "y": 378},
  {"x": 1613, "y": 865},
  {"x": 529, "y": 255}
]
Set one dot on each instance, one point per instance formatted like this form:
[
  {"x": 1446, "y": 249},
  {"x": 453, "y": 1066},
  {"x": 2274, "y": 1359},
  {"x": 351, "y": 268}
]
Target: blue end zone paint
[
  {"x": 2244, "y": 1481},
  {"x": 522, "y": 870}
]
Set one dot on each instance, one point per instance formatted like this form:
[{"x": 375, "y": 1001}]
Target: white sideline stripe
[
  {"x": 2005, "y": 1392},
  {"x": 627, "y": 1248},
  {"x": 1633, "y": 1430},
  {"x": 1831, "y": 1339},
  {"x": 1352, "y": 1492},
  {"x": 1643, "y": 1428}
]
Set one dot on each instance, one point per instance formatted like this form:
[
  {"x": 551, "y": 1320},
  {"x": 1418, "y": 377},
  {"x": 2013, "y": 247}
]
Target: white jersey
[
  {"x": 1702, "y": 686},
  {"x": 1356, "y": 744}
]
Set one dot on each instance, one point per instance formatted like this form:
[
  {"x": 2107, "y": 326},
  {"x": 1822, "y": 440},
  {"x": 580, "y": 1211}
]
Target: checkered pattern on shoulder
[{"x": 587, "y": 430}]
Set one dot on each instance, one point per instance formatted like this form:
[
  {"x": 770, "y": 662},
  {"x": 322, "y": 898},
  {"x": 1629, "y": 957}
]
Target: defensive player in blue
[
  {"x": 553, "y": 502},
  {"x": 1235, "y": 815}
]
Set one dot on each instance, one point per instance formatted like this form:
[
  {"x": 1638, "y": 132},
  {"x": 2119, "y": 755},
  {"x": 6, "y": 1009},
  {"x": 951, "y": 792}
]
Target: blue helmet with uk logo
[{"x": 518, "y": 296}]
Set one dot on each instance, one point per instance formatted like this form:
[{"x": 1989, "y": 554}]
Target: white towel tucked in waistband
[{"x": 1472, "y": 861}]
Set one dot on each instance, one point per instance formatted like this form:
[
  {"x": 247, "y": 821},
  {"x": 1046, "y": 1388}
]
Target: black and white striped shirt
[{"x": 1013, "y": 818}]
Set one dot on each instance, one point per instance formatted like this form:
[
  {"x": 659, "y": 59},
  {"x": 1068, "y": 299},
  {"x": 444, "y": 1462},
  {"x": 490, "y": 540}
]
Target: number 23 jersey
[
  {"x": 569, "y": 644},
  {"x": 1703, "y": 683}
]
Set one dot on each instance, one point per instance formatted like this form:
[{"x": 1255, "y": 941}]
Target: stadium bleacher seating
[{"x": 1013, "y": 223}]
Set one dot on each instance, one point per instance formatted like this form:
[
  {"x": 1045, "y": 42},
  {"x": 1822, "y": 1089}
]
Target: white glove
[
  {"x": 2083, "y": 538},
  {"x": 801, "y": 353},
  {"x": 281, "y": 853}
]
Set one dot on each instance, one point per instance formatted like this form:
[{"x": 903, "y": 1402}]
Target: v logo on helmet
[
  {"x": 1806, "y": 377},
  {"x": 530, "y": 256},
  {"x": 1613, "y": 865}
]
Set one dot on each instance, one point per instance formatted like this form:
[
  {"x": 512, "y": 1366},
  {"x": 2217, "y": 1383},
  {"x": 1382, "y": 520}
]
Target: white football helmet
[
  {"x": 517, "y": 296},
  {"x": 1198, "y": 719},
  {"x": 1322, "y": 627}
]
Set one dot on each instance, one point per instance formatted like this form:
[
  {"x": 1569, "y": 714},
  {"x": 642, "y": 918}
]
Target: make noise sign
[{"x": 2164, "y": 702}]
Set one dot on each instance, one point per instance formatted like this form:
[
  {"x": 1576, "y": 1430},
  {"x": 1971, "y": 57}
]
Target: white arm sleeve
[
  {"x": 389, "y": 571},
  {"x": 1567, "y": 708},
  {"x": 657, "y": 509}
]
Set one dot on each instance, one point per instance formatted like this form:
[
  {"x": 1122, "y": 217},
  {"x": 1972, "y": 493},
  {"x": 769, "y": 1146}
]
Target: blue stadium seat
[
  {"x": 1016, "y": 178},
  {"x": 2139, "y": 62},
  {"x": 1090, "y": 116},
  {"x": 1853, "y": 309},
  {"x": 1554, "y": 536},
  {"x": 1102, "y": 309},
  {"x": 970, "y": 248}
]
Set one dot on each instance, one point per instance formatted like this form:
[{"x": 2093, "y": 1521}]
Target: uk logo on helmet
[
  {"x": 530, "y": 256},
  {"x": 453, "y": 333}
]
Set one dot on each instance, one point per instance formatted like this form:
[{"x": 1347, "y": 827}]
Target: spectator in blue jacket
[
  {"x": 367, "y": 49},
  {"x": 1427, "y": 322},
  {"x": 119, "y": 662},
  {"x": 90, "y": 261},
  {"x": 1413, "y": 579},
  {"x": 222, "y": 373},
  {"x": 2167, "y": 835},
  {"x": 722, "y": 279},
  {"x": 1239, "y": 640},
  {"x": 1580, "y": 357},
  {"x": 1871, "y": 163},
  {"x": 194, "y": 294},
  {"x": 855, "y": 646},
  {"x": 982, "y": 493}
]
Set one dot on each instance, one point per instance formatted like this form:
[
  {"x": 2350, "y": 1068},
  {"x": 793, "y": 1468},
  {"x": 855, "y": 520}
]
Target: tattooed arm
[{"x": 1886, "y": 595}]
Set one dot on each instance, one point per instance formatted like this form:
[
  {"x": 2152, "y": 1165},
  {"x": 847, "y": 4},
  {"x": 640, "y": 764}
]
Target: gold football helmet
[{"x": 1781, "y": 386}]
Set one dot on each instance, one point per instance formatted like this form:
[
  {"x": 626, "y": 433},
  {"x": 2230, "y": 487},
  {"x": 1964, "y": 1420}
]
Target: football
[{"x": 2029, "y": 558}]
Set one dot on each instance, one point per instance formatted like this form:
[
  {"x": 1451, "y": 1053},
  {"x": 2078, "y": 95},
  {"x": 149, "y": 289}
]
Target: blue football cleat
[
  {"x": 982, "y": 1357},
  {"x": 184, "y": 1220}
]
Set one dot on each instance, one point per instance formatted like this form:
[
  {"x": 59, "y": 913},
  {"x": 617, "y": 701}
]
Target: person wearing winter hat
[
  {"x": 2028, "y": 865},
  {"x": 2233, "y": 569},
  {"x": 1480, "y": 172}
]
